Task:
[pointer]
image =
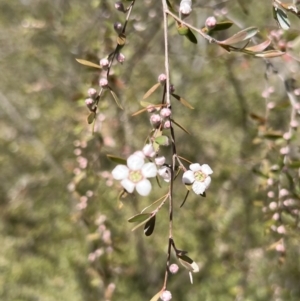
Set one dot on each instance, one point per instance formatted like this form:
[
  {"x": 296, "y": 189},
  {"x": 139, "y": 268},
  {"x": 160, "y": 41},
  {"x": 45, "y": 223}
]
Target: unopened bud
[
  {"x": 165, "y": 112},
  {"x": 166, "y": 296},
  {"x": 185, "y": 7},
  {"x": 118, "y": 27},
  {"x": 120, "y": 7},
  {"x": 167, "y": 124},
  {"x": 174, "y": 268},
  {"x": 294, "y": 124},
  {"x": 90, "y": 103},
  {"x": 160, "y": 160},
  {"x": 162, "y": 78},
  {"x": 210, "y": 22},
  {"x": 155, "y": 119},
  {"x": 92, "y": 92},
  {"x": 104, "y": 63},
  {"x": 120, "y": 57},
  {"x": 103, "y": 82},
  {"x": 149, "y": 151}
]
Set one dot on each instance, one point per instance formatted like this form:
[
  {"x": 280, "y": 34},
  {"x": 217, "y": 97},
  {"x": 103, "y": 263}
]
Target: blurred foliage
[{"x": 63, "y": 234}]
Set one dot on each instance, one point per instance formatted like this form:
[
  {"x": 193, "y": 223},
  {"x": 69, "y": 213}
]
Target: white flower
[
  {"x": 198, "y": 177},
  {"x": 165, "y": 173},
  {"x": 135, "y": 174}
]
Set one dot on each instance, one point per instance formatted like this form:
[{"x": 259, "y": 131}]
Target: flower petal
[
  {"x": 135, "y": 162},
  {"x": 207, "y": 182},
  {"x": 165, "y": 173},
  {"x": 188, "y": 177},
  {"x": 143, "y": 187},
  {"x": 149, "y": 170},
  {"x": 198, "y": 187},
  {"x": 206, "y": 169},
  {"x": 195, "y": 167},
  {"x": 120, "y": 172},
  {"x": 128, "y": 185}
]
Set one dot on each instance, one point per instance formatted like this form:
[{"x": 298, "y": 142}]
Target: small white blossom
[
  {"x": 149, "y": 151},
  {"x": 198, "y": 177},
  {"x": 135, "y": 174}
]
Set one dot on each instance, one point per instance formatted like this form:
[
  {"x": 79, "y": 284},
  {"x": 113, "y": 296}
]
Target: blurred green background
[{"x": 62, "y": 233}]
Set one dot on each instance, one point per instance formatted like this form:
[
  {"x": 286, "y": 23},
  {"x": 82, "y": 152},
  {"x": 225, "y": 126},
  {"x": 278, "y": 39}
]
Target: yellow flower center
[{"x": 135, "y": 176}]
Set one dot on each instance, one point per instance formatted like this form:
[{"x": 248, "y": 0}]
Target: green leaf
[
  {"x": 88, "y": 63},
  {"x": 116, "y": 99},
  {"x": 142, "y": 223},
  {"x": 188, "y": 263},
  {"x": 191, "y": 37},
  {"x": 221, "y": 26},
  {"x": 121, "y": 40},
  {"x": 162, "y": 140},
  {"x": 183, "y": 101},
  {"x": 281, "y": 17},
  {"x": 270, "y": 54},
  {"x": 294, "y": 164},
  {"x": 139, "y": 217},
  {"x": 181, "y": 127},
  {"x": 187, "y": 193},
  {"x": 182, "y": 29},
  {"x": 149, "y": 226},
  {"x": 242, "y": 35},
  {"x": 151, "y": 90},
  {"x": 91, "y": 117},
  {"x": 117, "y": 159},
  {"x": 272, "y": 135}
]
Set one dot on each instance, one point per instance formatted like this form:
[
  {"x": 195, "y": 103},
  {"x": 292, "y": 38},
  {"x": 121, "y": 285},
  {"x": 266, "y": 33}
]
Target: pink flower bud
[
  {"x": 120, "y": 58},
  {"x": 271, "y": 194},
  {"x": 92, "y": 92},
  {"x": 166, "y": 296},
  {"x": 155, "y": 119},
  {"x": 162, "y": 78},
  {"x": 210, "y": 22},
  {"x": 89, "y": 101},
  {"x": 281, "y": 229},
  {"x": 287, "y": 136},
  {"x": 160, "y": 160},
  {"x": 283, "y": 192},
  {"x": 120, "y": 7},
  {"x": 284, "y": 150},
  {"x": 104, "y": 63},
  {"x": 118, "y": 27},
  {"x": 172, "y": 89},
  {"x": 294, "y": 124},
  {"x": 167, "y": 124},
  {"x": 103, "y": 82},
  {"x": 149, "y": 151},
  {"x": 174, "y": 268},
  {"x": 273, "y": 206},
  {"x": 165, "y": 112},
  {"x": 185, "y": 7}
]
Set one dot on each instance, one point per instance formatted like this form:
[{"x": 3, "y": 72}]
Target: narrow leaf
[
  {"x": 242, "y": 35},
  {"x": 91, "y": 117},
  {"x": 139, "y": 217},
  {"x": 272, "y": 135},
  {"x": 191, "y": 37},
  {"x": 156, "y": 297},
  {"x": 116, "y": 159},
  {"x": 121, "y": 40},
  {"x": 141, "y": 224},
  {"x": 87, "y": 63},
  {"x": 183, "y": 101},
  {"x": 221, "y": 26},
  {"x": 182, "y": 29},
  {"x": 149, "y": 226},
  {"x": 270, "y": 54},
  {"x": 181, "y": 127},
  {"x": 259, "y": 47},
  {"x": 187, "y": 193},
  {"x": 281, "y": 17},
  {"x": 151, "y": 90},
  {"x": 188, "y": 263},
  {"x": 114, "y": 95}
]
